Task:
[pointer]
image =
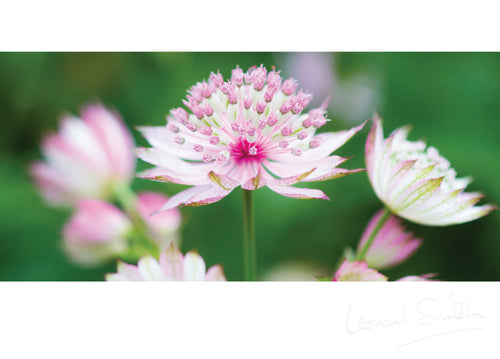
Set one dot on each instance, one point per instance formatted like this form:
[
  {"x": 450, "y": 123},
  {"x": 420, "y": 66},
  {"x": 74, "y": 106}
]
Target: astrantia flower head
[
  {"x": 391, "y": 245},
  {"x": 416, "y": 182},
  {"x": 172, "y": 266},
  {"x": 87, "y": 158},
  {"x": 248, "y": 131}
]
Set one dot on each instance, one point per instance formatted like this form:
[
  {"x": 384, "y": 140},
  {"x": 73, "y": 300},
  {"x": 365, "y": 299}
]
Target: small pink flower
[
  {"x": 357, "y": 272},
  {"x": 86, "y": 158},
  {"x": 95, "y": 233},
  {"x": 163, "y": 226},
  {"x": 418, "y": 183},
  {"x": 249, "y": 131},
  {"x": 391, "y": 245},
  {"x": 172, "y": 266}
]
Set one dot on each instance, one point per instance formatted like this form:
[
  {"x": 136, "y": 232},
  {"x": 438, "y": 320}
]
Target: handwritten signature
[{"x": 424, "y": 313}]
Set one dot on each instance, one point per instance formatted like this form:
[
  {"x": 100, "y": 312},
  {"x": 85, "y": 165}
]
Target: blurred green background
[{"x": 451, "y": 100}]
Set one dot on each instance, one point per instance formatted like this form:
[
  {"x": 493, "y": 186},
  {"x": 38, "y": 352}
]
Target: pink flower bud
[
  {"x": 163, "y": 226},
  {"x": 95, "y": 233}
]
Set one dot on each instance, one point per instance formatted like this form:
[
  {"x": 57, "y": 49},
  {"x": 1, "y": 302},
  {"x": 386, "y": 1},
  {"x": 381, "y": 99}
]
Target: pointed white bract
[
  {"x": 86, "y": 159},
  {"x": 391, "y": 245},
  {"x": 249, "y": 131},
  {"x": 416, "y": 182},
  {"x": 172, "y": 266}
]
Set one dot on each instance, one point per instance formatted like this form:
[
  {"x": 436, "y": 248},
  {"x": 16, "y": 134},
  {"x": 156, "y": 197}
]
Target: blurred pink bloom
[
  {"x": 354, "y": 96},
  {"x": 418, "y": 278},
  {"x": 248, "y": 131},
  {"x": 357, "y": 272},
  {"x": 314, "y": 71},
  {"x": 95, "y": 233},
  {"x": 86, "y": 158},
  {"x": 163, "y": 226},
  {"x": 391, "y": 245},
  {"x": 172, "y": 266},
  {"x": 417, "y": 183}
]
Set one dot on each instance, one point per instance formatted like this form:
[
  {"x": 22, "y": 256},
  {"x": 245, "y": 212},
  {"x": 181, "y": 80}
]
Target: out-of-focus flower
[
  {"x": 294, "y": 271},
  {"x": 314, "y": 71},
  {"x": 164, "y": 226},
  {"x": 87, "y": 158},
  {"x": 418, "y": 278},
  {"x": 172, "y": 266},
  {"x": 417, "y": 183},
  {"x": 353, "y": 96},
  {"x": 248, "y": 131},
  {"x": 391, "y": 245},
  {"x": 95, "y": 233},
  {"x": 357, "y": 272}
]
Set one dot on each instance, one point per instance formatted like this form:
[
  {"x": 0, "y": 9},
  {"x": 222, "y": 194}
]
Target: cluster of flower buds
[{"x": 89, "y": 163}]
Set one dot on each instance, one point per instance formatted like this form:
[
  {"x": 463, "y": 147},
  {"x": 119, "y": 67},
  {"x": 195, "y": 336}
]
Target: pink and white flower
[
  {"x": 95, "y": 233},
  {"x": 164, "y": 226},
  {"x": 172, "y": 266},
  {"x": 249, "y": 131},
  {"x": 87, "y": 158},
  {"x": 391, "y": 245},
  {"x": 417, "y": 183},
  {"x": 357, "y": 272}
]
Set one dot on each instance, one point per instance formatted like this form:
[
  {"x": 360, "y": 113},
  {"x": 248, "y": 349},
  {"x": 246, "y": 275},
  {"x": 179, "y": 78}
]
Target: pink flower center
[{"x": 243, "y": 151}]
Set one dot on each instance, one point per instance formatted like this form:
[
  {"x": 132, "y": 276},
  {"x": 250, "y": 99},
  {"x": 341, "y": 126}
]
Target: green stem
[
  {"x": 383, "y": 218},
  {"x": 141, "y": 237},
  {"x": 249, "y": 247}
]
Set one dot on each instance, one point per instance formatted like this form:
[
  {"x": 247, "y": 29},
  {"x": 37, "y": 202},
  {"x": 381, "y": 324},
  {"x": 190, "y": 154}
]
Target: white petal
[
  {"x": 194, "y": 267},
  {"x": 150, "y": 270}
]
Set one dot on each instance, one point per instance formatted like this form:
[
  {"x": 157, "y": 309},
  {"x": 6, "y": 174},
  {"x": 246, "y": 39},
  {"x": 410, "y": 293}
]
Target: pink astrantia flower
[
  {"x": 95, "y": 233},
  {"x": 417, "y": 183},
  {"x": 249, "y": 131},
  {"x": 172, "y": 266},
  {"x": 357, "y": 272},
  {"x": 86, "y": 158},
  {"x": 391, "y": 245},
  {"x": 164, "y": 226}
]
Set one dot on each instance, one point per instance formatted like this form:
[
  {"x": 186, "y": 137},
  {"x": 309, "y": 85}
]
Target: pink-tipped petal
[{"x": 296, "y": 192}]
